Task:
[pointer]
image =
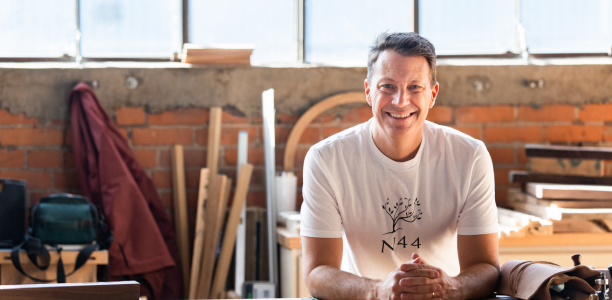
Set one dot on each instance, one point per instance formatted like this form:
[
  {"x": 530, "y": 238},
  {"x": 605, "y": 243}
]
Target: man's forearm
[
  {"x": 326, "y": 282},
  {"x": 476, "y": 282}
]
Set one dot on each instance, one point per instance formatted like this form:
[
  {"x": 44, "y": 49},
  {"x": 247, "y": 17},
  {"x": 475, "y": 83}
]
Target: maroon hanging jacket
[{"x": 112, "y": 178}]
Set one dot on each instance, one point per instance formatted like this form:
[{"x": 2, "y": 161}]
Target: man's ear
[
  {"x": 434, "y": 94},
  {"x": 367, "y": 86}
]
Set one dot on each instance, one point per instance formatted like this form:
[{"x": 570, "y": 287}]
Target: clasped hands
[{"x": 417, "y": 280}]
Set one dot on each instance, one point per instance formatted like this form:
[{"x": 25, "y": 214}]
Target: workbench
[
  {"x": 595, "y": 248},
  {"x": 87, "y": 273}
]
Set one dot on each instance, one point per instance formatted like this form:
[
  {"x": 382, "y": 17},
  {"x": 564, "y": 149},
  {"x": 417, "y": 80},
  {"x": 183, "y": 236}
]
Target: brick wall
[{"x": 40, "y": 152}]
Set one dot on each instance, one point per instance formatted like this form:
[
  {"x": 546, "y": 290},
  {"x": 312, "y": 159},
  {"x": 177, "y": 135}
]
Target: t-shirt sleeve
[
  {"x": 320, "y": 215},
  {"x": 479, "y": 213}
]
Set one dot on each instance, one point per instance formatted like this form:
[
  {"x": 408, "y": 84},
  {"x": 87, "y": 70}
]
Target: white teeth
[{"x": 399, "y": 116}]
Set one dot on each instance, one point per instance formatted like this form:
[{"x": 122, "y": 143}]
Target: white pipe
[
  {"x": 267, "y": 101},
  {"x": 243, "y": 144}
]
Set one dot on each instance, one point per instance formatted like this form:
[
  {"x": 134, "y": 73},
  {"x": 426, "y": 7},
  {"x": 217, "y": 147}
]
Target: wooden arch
[{"x": 309, "y": 116}]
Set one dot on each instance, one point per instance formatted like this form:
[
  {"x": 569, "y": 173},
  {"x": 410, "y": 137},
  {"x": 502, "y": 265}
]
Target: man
[{"x": 399, "y": 207}]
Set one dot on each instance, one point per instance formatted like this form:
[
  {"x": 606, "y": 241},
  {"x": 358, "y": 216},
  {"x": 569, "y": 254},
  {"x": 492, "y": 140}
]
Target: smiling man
[{"x": 399, "y": 207}]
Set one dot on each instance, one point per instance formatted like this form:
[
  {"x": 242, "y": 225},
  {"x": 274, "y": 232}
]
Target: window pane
[
  {"x": 135, "y": 28},
  {"x": 341, "y": 31},
  {"x": 37, "y": 28},
  {"x": 567, "y": 26},
  {"x": 469, "y": 26},
  {"x": 268, "y": 24}
]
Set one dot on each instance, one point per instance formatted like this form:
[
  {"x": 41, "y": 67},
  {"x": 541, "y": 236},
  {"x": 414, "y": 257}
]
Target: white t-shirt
[{"x": 352, "y": 190}]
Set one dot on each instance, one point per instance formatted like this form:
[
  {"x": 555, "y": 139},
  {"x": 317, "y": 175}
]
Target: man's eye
[
  {"x": 414, "y": 87},
  {"x": 387, "y": 86}
]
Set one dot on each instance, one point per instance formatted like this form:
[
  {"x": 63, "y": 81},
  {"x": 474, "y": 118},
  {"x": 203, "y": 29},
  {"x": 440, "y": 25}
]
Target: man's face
[{"x": 400, "y": 94}]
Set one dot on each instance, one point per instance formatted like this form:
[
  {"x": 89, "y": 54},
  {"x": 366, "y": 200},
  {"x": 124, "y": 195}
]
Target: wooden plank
[
  {"x": 287, "y": 239},
  {"x": 99, "y": 257},
  {"x": 214, "y": 139},
  {"x": 179, "y": 198},
  {"x": 561, "y": 239},
  {"x": 568, "y": 226},
  {"x": 569, "y": 191},
  {"x": 564, "y": 203},
  {"x": 193, "y": 55},
  {"x": 566, "y": 166},
  {"x": 198, "y": 242},
  {"x": 309, "y": 116},
  {"x": 519, "y": 201},
  {"x": 524, "y": 177},
  {"x": 231, "y": 227},
  {"x": 539, "y": 150},
  {"x": 215, "y": 211},
  {"x": 118, "y": 290}
]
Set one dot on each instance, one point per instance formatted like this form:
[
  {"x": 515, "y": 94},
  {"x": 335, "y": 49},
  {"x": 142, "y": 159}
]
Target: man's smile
[{"x": 400, "y": 115}]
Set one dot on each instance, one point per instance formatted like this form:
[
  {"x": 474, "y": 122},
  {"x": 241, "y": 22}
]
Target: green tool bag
[
  {"x": 60, "y": 219},
  {"x": 64, "y": 219}
]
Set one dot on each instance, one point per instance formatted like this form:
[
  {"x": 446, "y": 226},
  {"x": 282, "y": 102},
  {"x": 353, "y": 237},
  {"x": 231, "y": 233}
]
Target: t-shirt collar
[{"x": 386, "y": 160}]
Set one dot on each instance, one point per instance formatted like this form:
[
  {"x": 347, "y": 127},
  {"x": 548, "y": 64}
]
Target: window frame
[{"x": 300, "y": 20}]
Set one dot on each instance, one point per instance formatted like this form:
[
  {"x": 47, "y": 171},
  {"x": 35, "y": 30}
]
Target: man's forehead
[{"x": 391, "y": 64}]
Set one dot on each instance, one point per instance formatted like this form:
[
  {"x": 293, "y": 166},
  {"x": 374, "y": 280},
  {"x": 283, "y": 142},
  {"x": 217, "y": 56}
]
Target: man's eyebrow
[{"x": 387, "y": 79}]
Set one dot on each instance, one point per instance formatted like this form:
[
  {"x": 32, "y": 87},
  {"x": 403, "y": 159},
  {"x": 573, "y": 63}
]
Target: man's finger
[
  {"x": 410, "y": 296},
  {"x": 433, "y": 274},
  {"x": 407, "y": 267},
  {"x": 419, "y": 281}
]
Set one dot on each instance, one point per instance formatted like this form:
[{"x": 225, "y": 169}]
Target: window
[
  {"x": 135, "y": 28},
  {"x": 269, "y": 25},
  {"x": 342, "y": 30},
  {"x": 37, "y": 28}
]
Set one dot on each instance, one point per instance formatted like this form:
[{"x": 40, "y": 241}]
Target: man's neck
[{"x": 398, "y": 149}]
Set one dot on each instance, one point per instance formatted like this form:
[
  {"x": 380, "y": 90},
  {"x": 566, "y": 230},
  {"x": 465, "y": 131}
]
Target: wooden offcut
[
  {"x": 193, "y": 54},
  {"x": 538, "y": 150},
  {"x": 569, "y": 191},
  {"x": 198, "y": 242},
  {"x": 569, "y": 226},
  {"x": 231, "y": 227},
  {"x": 309, "y": 116},
  {"x": 214, "y": 217},
  {"x": 180, "y": 211},
  {"x": 524, "y": 177},
  {"x": 116, "y": 290},
  {"x": 566, "y": 166},
  {"x": 523, "y": 203}
]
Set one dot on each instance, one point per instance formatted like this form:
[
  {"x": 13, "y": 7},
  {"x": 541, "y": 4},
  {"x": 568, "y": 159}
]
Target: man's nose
[{"x": 401, "y": 99}]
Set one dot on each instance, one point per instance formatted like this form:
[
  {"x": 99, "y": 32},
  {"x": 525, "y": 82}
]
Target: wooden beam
[
  {"x": 231, "y": 227},
  {"x": 569, "y": 191},
  {"x": 311, "y": 114},
  {"x": 538, "y": 150},
  {"x": 566, "y": 166},
  {"x": 519, "y": 201},
  {"x": 117, "y": 290},
  {"x": 198, "y": 242},
  {"x": 180, "y": 212},
  {"x": 561, "y": 239},
  {"x": 528, "y": 198},
  {"x": 215, "y": 211},
  {"x": 524, "y": 177}
]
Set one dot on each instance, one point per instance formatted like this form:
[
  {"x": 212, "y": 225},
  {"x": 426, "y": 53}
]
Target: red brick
[
  {"x": 180, "y": 116},
  {"x": 35, "y": 179},
  {"x": 440, "y": 114},
  {"x": 331, "y": 130},
  {"x": 162, "y": 179},
  {"x": 68, "y": 137},
  {"x": 596, "y": 112},
  {"x": 501, "y": 155},
  {"x": 45, "y": 159},
  {"x": 286, "y": 119},
  {"x": 130, "y": 116},
  {"x": 35, "y": 198},
  {"x": 473, "y": 131},
  {"x": 311, "y": 135},
  {"x": 8, "y": 118},
  {"x": 256, "y": 198},
  {"x": 300, "y": 155},
  {"x": 501, "y": 197},
  {"x": 201, "y": 136},
  {"x": 501, "y": 175},
  {"x": 192, "y": 179},
  {"x": 146, "y": 157},
  {"x": 282, "y": 134},
  {"x": 299, "y": 199},
  {"x": 547, "y": 113},
  {"x": 147, "y": 136},
  {"x": 31, "y": 137},
  {"x": 607, "y": 167},
  {"x": 229, "y": 118},
  {"x": 124, "y": 133},
  {"x": 483, "y": 114},
  {"x": 326, "y": 118},
  {"x": 166, "y": 198},
  {"x": 258, "y": 179},
  {"x": 229, "y": 136},
  {"x": 508, "y": 134},
  {"x": 69, "y": 159},
  {"x": 192, "y": 158},
  {"x": 358, "y": 115},
  {"x": 66, "y": 180},
  {"x": 522, "y": 157},
  {"x": 574, "y": 133},
  {"x": 11, "y": 158}
]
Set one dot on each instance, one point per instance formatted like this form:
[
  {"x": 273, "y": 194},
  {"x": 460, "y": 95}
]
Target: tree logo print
[{"x": 403, "y": 210}]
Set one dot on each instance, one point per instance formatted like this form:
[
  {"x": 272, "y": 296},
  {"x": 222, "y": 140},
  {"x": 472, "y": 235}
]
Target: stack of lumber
[
  {"x": 565, "y": 185},
  {"x": 219, "y": 54}
]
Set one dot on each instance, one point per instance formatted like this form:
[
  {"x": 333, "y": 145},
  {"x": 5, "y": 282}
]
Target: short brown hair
[{"x": 405, "y": 44}]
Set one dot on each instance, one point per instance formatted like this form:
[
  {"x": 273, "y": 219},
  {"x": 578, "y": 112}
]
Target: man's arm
[{"x": 324, "y": 279}]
